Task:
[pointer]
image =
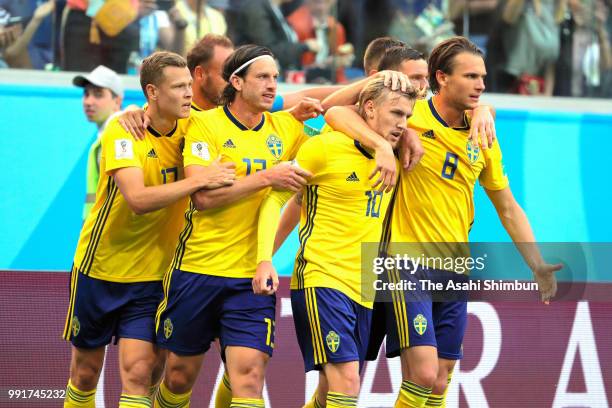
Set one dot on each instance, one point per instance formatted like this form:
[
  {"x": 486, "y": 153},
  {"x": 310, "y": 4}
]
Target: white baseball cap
[{"x": 103, "y": 77}]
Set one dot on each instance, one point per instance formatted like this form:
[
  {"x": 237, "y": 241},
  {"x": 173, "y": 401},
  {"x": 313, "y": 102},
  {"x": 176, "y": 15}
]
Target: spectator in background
[
  {"x": 420, "y": 23},
  {"x": 584, "y": 41},
  {"x": 314, "y": 20},
  {"x": 604, "y": 33},
  {"x": 261, "y": 22},
  {"x": 212, "y": 21},
  {"x": 106, "y": 39},
  {"x": 156, "y": 30},
  {"x": 480, "y": 17},
  {"x": 20, "y": 23},
  {"x": 531, "y": 41},
  {"x": 102, "y": 97}
]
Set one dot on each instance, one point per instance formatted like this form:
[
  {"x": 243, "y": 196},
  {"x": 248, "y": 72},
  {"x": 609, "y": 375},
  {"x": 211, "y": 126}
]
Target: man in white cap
[{"x": 102, "y": 97}]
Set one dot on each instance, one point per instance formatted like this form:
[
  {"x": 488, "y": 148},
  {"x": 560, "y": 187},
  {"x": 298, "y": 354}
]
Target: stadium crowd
[{"x": 533, "y": 47}]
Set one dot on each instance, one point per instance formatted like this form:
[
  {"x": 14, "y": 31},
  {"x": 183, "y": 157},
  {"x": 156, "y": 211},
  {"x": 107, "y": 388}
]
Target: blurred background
[
  {"x": 549, "y": 66},
  {"x": 533, "y": 47}
]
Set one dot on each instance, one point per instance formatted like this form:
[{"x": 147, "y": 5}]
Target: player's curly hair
[
  {"x": 236, "y": 60},
  {"x": 442, "y": 57}
]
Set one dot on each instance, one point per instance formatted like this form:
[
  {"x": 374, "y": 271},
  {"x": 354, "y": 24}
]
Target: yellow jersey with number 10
[{"x": 340, "y": 211}]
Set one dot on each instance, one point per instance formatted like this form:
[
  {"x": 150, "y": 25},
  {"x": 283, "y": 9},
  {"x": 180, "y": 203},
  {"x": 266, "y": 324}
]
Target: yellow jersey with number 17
[
  {"x": 435, "y": 201},
  {"x": 223, "y": 241},
  {"x": 116, "y": 244}
]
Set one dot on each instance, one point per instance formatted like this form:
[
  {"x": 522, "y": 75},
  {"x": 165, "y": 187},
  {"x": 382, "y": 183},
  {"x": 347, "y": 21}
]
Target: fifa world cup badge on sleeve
[
  {"x": 123, "y": 149},
  {"x": 200, "y": 149}
]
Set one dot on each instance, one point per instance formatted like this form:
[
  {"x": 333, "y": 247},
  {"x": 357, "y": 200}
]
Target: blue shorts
[
  {"x": 330, "y": 327},
  {"x": 412, "y": 318},
  {"x": 198, "y": 308},
  {"x": 100, "y": 310}
]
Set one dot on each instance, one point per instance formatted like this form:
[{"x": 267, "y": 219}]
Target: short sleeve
[
  {"x": 119, "y": 148},
  {"x": 200, "y": 147},
  {"x": 493, "y": 176},
  {"x": 312, "y": 155}
]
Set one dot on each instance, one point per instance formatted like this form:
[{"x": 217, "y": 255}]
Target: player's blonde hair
[
  {"x": 375, "y": 90},
  {"x": 152, "y": 68}
]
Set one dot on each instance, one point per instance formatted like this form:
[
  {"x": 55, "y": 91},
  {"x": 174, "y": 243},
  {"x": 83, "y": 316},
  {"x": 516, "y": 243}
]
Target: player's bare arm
[
  {"x": 346, "y": 120},
  {"x": 348, "y": 95},
  {"x": 284, "y": 176},
  {"x": 515, "y": 222},
  {"x": 291, "y": 99},
  {"x": 482, "y": 126},
  {"x": 134, "y": 121},
  {"x": 289, "y": 219},
  {"x": 306, "y": 108},
  {"x": 143, "y": 199}
]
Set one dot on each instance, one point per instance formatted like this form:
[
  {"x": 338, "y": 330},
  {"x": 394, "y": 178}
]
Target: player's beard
[{"x": 209, "y": 92}]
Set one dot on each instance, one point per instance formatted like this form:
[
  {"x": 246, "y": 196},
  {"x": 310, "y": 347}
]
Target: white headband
[{"x": 249, "y": 62}]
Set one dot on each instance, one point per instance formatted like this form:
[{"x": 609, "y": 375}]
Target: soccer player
[
  {"x": 102, "y": 96},
  {"x": 213, "y": 288},
  {"x": 127, "y": 240},
  {"x": 205, "y": 61},
  {"x": 434, "y": 204},
  {"x": 340, "y": 211}
]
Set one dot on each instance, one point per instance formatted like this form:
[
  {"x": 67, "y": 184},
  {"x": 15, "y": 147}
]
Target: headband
[{"x": 249, "y": 62}]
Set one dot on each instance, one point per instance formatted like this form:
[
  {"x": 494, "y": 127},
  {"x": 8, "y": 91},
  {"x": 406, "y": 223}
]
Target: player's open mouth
[{"x": 269, "y": 96}]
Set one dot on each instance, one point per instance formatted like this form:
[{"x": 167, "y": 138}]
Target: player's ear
[
  {"x": 369, "y": 108},
  {"x": 236, "y": 82},
  {"x": 198, "y": 72},
  {"x": 441, "y": 77},
  {"x": 152, "y": 92}
]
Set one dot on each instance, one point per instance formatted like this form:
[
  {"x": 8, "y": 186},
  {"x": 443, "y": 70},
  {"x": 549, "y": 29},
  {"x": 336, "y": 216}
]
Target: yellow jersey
[
  {"x": 435, "y": 201},
  {"x": 223, "y": 241},
  {"x": 116, "y": 244},
  {"x": 340, "y": 211}
]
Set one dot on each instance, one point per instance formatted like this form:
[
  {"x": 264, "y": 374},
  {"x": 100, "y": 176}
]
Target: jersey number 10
[{"x": 374, "y": 203}]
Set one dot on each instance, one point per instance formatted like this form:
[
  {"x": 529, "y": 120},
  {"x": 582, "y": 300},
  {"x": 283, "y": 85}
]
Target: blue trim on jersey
[
  {"x": 434, "y": 112},
  {"x": 279, "y": 103},
  {"x": 362, "y": 150},
  {"x": 240, "y": 126}
]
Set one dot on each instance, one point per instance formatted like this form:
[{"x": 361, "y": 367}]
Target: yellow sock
[
  {"x": 223, "y": 396},
  {"x": 435, "y": 400},
  {"x": 76, "y": 398},
  {"x": 314, "y": 402},
  {"x": 134, "y": 401},
  {"x": 412, "y": 395},
  {"x": 166, "y": 399},
  {"x": 247, "y": 403},
  {"x": 339, "y": 400}
]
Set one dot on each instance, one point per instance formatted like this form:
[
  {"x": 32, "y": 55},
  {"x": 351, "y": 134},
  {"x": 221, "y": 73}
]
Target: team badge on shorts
[
  {"x": 472, "y": 152},
  {"x": 333, "y": 341},
  {"x": 275, "y": 145},
  {"x": 420, "y": 324},
  {"x": 168, "y": 327},
  {"x": 76, "y": 326}
]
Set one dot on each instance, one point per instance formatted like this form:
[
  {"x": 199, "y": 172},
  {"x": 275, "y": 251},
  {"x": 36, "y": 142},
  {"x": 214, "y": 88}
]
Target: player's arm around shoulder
[
  {"x": 125, "y": 158},
  {"x": 345, "y": 119}
]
